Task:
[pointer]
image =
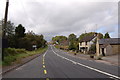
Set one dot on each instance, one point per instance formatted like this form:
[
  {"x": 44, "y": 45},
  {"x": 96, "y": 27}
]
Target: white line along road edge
[{"x": 97, "y": 70}]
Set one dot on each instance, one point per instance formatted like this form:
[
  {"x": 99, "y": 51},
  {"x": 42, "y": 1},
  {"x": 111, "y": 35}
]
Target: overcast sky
[{"x": 63, "y": 17}]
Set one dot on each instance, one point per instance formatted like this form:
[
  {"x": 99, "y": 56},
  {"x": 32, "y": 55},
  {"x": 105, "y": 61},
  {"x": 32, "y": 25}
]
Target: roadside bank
[{"x": 22, "y": 59}]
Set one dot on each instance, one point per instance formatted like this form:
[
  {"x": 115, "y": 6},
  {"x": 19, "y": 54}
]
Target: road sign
[{"x": 34, "y": 46}]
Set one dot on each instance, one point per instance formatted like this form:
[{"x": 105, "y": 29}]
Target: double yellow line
[{"x": 47, "y": 78}]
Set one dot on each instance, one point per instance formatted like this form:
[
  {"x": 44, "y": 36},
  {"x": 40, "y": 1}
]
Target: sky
[{"x": 63, "y": 17}]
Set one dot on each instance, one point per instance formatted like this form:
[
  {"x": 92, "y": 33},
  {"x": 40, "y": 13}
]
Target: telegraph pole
[
  {"x": 5, "y": 18},
  {"x": 96, "y": 27},
  {"x": 4, "y": 40},
  {"x": 97, "y": 46}
]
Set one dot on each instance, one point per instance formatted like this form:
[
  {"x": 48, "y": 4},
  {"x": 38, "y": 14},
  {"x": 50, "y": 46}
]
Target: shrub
[
  {"x": 8, "y": 60},
  {"x": 92, "y": 49},
  {"x": 20, "y": 50},
  {"x": 13, "y": 51}
]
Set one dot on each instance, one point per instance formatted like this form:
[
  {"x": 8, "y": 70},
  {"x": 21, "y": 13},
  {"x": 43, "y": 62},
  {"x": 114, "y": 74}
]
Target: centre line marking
[
  {"x": 43, "y": 66},
  {"x": 43, "y": 63},
  {"x": 97, "y": 70},
  {"x": 47, "y": 78},
  {"x": 43, "y": 60},
  {"x": 45, "y": 72}
]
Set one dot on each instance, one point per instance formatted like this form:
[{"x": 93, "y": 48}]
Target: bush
[
  {"x": 15, "y": 55},
  {"x": 8, "y": 60},
  {"x": 75, "y": 54},
  {"x": 92, "y": 49},
  {"x": 72, "y": 46},
  {"x": 20, "y": 50},
  {"x": 91, "y": 56},
  {"x": 13, "y": 51}
]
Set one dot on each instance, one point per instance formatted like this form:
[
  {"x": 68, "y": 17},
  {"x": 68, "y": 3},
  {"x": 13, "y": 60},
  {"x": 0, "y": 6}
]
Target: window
[
  {"x": 80, "y": 43},
  {"x": 85, "y": 43}
]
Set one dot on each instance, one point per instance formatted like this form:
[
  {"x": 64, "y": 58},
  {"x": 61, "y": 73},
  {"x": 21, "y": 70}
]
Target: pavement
[
  {"x": 55, "y": 63},
  {"x": 111, "y": 60}
]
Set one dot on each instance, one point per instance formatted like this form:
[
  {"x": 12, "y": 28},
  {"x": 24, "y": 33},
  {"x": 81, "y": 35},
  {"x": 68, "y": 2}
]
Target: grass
[
  {"x": 20, "y": 54},
  {"x": 57, "y": 46}
]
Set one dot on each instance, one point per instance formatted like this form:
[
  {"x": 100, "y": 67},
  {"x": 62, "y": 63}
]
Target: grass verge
[
  {"x": 57, "y": 46},
  {"x": 19, "y": 54}
]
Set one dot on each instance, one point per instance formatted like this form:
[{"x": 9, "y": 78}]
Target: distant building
[
  {"x": 109, "y": 46},
  {"x": 64, "y": 43},
  {"x": 86, "y": 42}
]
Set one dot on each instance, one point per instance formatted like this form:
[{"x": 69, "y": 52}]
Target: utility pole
[
  {"x": 97, "y": 46},
  {"x": 5, "y": 18},
  {"x": 85, "y": 31},
  {"x": 96, "y": 27},
  {"x": 4, "y": 40}
]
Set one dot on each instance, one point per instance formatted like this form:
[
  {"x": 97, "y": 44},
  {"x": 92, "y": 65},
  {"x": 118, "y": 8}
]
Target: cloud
[{"x": 62, "y": 17}]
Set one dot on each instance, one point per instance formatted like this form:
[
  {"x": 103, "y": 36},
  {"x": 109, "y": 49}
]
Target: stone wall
[
  {"x": 111, "y": 50},
  {"x": 116, "y": 49}
]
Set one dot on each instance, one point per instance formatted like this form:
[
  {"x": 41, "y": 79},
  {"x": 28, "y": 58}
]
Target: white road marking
[
  {"x": 44, "y": 54},
  {"x": 111, "y": 77},
  {"x": 97, "y": 70},
  {"x": 19, "y": 68}
]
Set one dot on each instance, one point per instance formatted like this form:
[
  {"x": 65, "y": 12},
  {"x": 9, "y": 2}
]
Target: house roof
[
  {"x": 88, "y": 38},
  {"x": 103, "y": 46},
  {"x": 65, "y": 42},
  {"x": 110, "y": 41}
]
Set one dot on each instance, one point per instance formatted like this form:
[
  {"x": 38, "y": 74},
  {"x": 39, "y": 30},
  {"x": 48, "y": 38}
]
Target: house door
[{"x": 103, "y": 53}]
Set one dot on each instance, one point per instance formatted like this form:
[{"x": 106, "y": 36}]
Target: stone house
[
  {"x": 64, "y": 44},
  {"x": 109, "y": 46},
  {"x": 86, "y": 42}
]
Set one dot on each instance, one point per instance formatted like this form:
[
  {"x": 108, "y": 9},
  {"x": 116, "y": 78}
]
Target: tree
[
  {"x": 72, "y": 42},
  {"x": 72, "y": 37},
  {"x": 92, "y": 49},
  {"x": 85, "y": 34},
  {"x": 71, "y": 46},
  {"x": 10, "y": 34},
  {"x": 9, "y": 31},
  {"x": 25, "y": 43},
  {"x": 100, "y": 35},
  {"x": 20, "y": 31},
  {"x": 59, "y": 39},
  {"x": 31, "y": 39},
  {"x": 107, "y": 35},
  {"x": 82, "y": 36},
  {"x": 10, "y": 28}
]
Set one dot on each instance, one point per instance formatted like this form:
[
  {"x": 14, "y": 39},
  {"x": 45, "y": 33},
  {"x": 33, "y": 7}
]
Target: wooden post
[
  {"x": 4, "y": 29},
  {"x": 97, "y": 46}
]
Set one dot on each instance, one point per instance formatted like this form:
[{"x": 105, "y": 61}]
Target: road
[{"x": 55, "y": 63}]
